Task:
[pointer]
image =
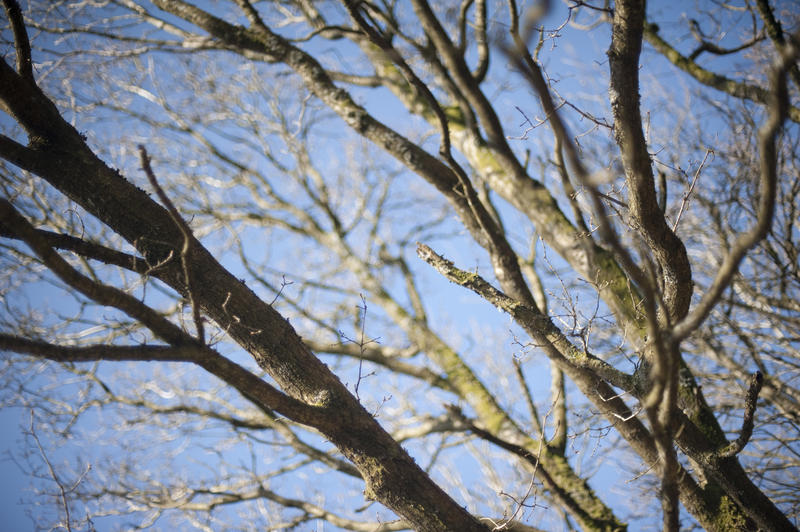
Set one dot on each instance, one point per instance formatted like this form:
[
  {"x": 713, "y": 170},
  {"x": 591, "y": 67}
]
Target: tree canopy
[{"x": 253, "y": 254}]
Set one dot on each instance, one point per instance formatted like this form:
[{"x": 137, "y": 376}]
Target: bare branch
[
  {"x": 668, "y": 250},
  {"x": 188, "y": 243},
  {"x": 767, "y": 136},
  {"x": 62, "y": 489},
  {"x": 688, "y": 194},
  {"x": 21, "y": 42},
  {"x": 736, "y": 446},
  {"x": 735, "y": 88},
  {"x": 61, "y": 353},
  {"x": 707, "y": 46},
  {"x": 105, "y": 295},
  {"x": 775, "y": 32},
  {"x": 89, "y": 250},
  {"x": 535, "y": 323}
]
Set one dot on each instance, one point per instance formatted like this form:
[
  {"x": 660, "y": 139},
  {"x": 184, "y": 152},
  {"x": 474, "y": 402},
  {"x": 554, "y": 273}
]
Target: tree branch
[
  {"x": 105, "y": 295},
  {"x": 767, "y": 137},
  {"x": 738, "y": 89},
  {"x": 189, "y": 243},
  {"x": 21, "y": 41},
  {"x": 61, "y": 353},
  {"x": 529, "y": 317},
  {"x": 88, "y": 250},
  {"x": 646, "y": 215},
  {"x": 736, "y": 446},
  {"x": 775, "y": 32}
]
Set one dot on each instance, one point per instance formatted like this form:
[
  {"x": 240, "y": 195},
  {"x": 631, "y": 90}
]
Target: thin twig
[
  {"x": 62, "y": 491},
  {"x": 686, "y": 196},
  {"x": 188, "y": 240},
  {"x": 361, "y": 344}
]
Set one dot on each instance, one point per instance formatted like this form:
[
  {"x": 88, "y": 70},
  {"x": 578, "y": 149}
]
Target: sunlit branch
[
  {"x": 528, "y": 317},
  {"x": 734, "y": 88}
]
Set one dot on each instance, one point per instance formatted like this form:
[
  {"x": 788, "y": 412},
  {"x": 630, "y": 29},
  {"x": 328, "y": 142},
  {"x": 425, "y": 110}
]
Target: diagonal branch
[
  {"x": 103, "y": 294},
  {"x": 538, "y": 325},
  {"x": 738, "y": 89}
]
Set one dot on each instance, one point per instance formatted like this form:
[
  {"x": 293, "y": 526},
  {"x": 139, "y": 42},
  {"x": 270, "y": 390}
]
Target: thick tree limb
[{"x": 646, "y": 215}]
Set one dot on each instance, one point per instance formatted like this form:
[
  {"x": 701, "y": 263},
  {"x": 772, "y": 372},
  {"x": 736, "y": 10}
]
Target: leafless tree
[{"x": 228, "y": 230}]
